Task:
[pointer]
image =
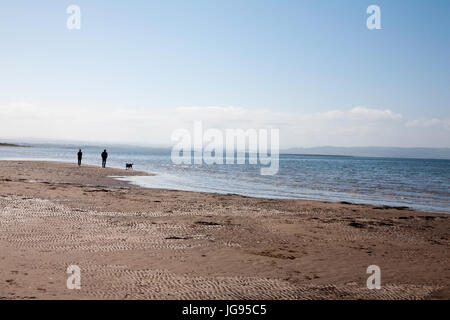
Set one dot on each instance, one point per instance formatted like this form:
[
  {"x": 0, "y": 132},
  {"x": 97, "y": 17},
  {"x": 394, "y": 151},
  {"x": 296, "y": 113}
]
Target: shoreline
[
  {"x": 118, "y": 176},
  {"x": 138, "y": 243},
  {"x": 379, "y": 206},
  {"x": 125, "y": 178}
]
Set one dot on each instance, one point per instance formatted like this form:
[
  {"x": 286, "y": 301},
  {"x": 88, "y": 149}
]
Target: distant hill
[{"x": 391, "y": 152}]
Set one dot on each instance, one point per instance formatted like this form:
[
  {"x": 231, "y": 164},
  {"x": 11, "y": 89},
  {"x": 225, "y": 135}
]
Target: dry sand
[{"x": 135, "y": 243}]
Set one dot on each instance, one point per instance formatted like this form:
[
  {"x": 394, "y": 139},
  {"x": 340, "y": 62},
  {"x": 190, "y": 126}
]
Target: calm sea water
[{"x": 421, "y": 184}]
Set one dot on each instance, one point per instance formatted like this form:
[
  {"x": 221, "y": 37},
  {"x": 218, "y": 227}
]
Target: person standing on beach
[
  {"x": 80, "y": 156},
  {"x": 104, "y": 157}
]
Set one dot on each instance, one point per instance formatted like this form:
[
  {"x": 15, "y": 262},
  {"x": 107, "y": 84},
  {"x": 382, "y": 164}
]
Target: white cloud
[
  {"x": 363, "y": 113},
  {"x": 358, "y": 126}
]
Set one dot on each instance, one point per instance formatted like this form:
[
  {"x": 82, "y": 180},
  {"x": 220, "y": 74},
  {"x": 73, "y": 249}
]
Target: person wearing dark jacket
[
  {"x": 104, "y": 157},
  {"x": 80, "y": 156}
]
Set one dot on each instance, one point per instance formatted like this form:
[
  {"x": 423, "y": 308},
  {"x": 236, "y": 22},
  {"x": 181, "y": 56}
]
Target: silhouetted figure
[
  {"x": 80, "y": 156},
  {"x": 104, "y": 157}
]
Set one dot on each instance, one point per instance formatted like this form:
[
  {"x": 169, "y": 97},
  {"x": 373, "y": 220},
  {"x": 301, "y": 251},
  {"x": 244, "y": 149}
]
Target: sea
[{"x": 421, "y": 184}]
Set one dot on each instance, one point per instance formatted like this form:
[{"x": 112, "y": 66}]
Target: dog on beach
[{"x": 128, "y": 166}]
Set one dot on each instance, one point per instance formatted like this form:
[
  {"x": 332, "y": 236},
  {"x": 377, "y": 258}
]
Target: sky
[{"x": 137, "y": 70}]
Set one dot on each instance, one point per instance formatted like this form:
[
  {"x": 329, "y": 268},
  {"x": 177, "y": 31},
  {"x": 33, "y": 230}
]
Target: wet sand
[{"x": 136, "y": 243}]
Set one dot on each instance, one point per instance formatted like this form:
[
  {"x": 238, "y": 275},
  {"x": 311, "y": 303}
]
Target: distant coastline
[
  {"x": 12, "y": 145},
  {"x": 377, "y": 152}
]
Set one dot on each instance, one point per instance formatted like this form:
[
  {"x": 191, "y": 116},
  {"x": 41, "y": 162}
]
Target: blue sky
[{"x": 297, "y": 58}]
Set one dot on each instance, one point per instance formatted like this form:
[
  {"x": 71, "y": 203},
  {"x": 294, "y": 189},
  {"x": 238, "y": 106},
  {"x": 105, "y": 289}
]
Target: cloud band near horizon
[{"x": 357, "y": 126}]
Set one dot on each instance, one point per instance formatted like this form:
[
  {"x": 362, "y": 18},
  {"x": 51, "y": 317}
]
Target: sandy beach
[{"x": 136, "y": 243}]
